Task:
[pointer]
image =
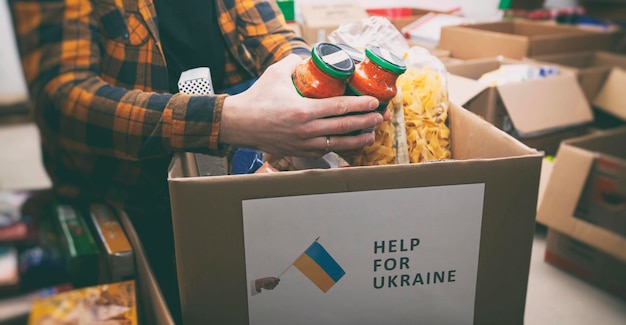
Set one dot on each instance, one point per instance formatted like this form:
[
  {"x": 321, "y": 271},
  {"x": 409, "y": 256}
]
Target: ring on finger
[{"x": 327, "y": 148}]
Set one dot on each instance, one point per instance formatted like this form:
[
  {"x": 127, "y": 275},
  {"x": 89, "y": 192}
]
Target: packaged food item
[
  {"x": 117, "y": 258},
  {"x": 245, "y": 161},
  {"x": 324, "y": 73},
  {"x": 376, "y": 76},
  {"x": 425, "y": 103},
  {"x": 77, "y": 245},
  {"x": 113, "y": 303}
]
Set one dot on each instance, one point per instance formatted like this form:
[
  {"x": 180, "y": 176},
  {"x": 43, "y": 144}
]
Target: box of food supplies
[
  {"x": 584, "y": 205},
  {"x": 445, "y": 241}
]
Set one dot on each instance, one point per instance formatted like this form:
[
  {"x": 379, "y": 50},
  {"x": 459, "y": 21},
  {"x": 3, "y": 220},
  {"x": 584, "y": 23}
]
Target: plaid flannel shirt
[{"x": 98, "y": 77}]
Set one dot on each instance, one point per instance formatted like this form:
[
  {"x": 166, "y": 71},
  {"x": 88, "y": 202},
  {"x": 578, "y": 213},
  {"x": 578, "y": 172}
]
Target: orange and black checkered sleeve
[
  {"x": 65, "y": 49},
  {"x": 265, "y": 32}
]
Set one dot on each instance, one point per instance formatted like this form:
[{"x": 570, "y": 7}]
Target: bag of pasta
[
  {"x": 417, "y": 131},
  {"x": 424, "y": 93}
]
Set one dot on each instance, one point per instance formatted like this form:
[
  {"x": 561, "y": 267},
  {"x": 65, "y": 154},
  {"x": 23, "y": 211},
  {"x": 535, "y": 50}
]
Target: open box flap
[
  {"x": 611, "y": 97},
  {"x": 544, "y": 105},
  {"x": 461, "y": 90}
]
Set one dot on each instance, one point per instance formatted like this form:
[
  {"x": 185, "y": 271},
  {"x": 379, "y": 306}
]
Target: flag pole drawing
[{"x": 318, "y": 266}]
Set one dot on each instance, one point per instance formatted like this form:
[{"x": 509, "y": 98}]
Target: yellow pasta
[
  {"x": 382, "y": 151},
  {"x": 425, "y": 104},
  {"x": 425, "y": 107}
]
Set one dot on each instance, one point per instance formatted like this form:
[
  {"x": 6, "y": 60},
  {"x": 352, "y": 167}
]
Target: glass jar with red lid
[
  {"x": 324, "y": 73},
  {"x": 376, "y": 75}
]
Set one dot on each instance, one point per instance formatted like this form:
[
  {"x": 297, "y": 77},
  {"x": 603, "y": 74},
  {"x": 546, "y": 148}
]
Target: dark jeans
[{"x": 154, "y": 228}]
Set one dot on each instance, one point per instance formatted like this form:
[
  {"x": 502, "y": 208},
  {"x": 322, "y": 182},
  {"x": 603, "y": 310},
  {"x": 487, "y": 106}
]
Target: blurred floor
[{"x": 554, "y": 297}]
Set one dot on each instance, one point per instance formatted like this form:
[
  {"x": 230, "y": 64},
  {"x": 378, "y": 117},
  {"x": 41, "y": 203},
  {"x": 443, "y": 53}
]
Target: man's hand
[{"x": 272, "y": 117}]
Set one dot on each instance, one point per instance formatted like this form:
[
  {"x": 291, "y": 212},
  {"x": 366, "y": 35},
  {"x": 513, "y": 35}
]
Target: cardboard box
[
  {"x": 610, "y": 98},
  {"x": 518, "y": 39},
  {"x": 217, "y": 220},
  {"x": 586, "y": 262},
  {"x": 589, "y": 176},
  {"x": 319, "y": 20},
  {"x": 592, "y": 67},
  {"x": 540, "y": 112}
]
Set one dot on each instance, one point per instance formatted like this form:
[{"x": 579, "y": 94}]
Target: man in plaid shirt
[{"x": 102, "y": 76}]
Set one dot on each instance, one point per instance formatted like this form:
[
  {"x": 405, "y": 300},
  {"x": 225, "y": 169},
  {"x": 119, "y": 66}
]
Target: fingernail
[
  {"x": 370, "y": 140},
  {"x": 373, "y": 104},
  {"x": 378, "y": 118}
]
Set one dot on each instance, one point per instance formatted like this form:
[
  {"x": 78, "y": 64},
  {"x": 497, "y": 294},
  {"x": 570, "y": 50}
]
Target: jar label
[{"x": 337, "y": 57}]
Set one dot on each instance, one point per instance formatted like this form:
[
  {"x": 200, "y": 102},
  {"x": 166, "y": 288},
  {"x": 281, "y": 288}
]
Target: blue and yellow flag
[{"x": 317, "y": 265}]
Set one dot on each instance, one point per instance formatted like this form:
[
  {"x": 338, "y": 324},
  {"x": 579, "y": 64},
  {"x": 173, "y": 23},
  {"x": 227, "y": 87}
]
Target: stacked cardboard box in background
[
  {"x": 584, "y": 206},
  {"x": 520, "y": 39},
  {"x": 602, "y": 76}
]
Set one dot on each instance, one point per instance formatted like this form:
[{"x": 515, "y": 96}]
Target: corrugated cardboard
[
  {"x": 520, "y": 39},
  {"x": 592, "y": 67},
  {"x": 208, "y": 225},
  {"x": 586, "y": 262},
  {"x": 611, "y": 97},
  {"x": 540, "y": 112},
  {"x": 319, "y": 20},
  {"x": 575, "y": 161}
]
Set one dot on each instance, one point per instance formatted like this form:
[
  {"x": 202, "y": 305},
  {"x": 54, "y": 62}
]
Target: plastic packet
[
  {"x": 425, "y": 103},
  {"x": 372, "y": 30}
]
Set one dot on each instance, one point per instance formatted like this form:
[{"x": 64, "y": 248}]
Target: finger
[
  {"x": 342, "y": 105},
  {"x": 340, "y": 125},
  {"x": 387, "y": 115},
  {"x": 287, "y": 65},
  {"x": 348, "y": 143}
]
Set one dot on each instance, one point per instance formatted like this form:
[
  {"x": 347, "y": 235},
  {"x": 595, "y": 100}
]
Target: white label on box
[{"x": 396, "y": 256}]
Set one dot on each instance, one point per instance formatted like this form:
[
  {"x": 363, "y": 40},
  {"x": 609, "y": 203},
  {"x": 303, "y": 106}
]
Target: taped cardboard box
[
  {"x": 591, "y": 67},
  {"x": 519, "y": 39},
  {"x": 470, "y": 220},
  {"x": 320, "y": 19},
  {"x": 539, "y": 112},
  {"x": 585, "y": 198}
]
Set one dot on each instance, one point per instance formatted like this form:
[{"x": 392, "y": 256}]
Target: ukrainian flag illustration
[{"x": 317, "y": 265}]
